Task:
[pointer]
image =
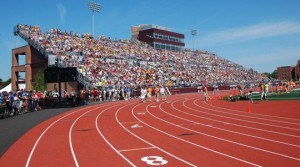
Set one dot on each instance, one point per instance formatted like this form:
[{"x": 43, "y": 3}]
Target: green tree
[
  {"x": 7, "y": 82},
  {"x": 38, "y": 81},
  {"x": 4, "y": 83},
  {"x": 267, "y": 74},
  {"x": 274, "y": 74}
]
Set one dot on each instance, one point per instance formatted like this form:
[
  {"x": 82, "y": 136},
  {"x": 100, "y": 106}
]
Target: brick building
[
  {"x": 288, "y": 73},
  {"x": 158, "y": 37},
  {"x": 34, "y": 62},
  {"x": 297, "y": 71}
]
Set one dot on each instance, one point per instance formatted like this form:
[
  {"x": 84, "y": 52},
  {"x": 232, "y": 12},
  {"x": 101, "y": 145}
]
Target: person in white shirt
[
  {"x": 162, "y": 92},
  {"x": 143, "y": 94}
]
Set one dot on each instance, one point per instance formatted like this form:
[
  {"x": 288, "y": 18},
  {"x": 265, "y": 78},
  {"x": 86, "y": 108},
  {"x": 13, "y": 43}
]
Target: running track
[{"x": 182, "y": 131}]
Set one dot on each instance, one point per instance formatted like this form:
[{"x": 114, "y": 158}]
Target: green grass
[{"x": 292, "y": 95}]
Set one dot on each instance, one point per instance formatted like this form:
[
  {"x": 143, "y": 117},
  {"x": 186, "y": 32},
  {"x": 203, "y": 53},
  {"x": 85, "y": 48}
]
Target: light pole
[
  {"x": 194, "y": 33},
  {"x": 94, "y": 7}
]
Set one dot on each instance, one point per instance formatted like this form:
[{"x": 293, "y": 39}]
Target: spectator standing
[
  {"x": 262, "y": 91},
  {"x": 240, "y": 88},
  {"x": 250, "y": 96},
  {"x": 205, "y": 93},
  {"x": 1, "y": 98},
  {"x": 149, "y": 92},
  {"x": 143, "y": 94},
  {"x": 162, "y": 92},
  {"x": 128, "y": 92},
  {"x": 266, "y": 90},
  {"x": 156, "y": 92}
]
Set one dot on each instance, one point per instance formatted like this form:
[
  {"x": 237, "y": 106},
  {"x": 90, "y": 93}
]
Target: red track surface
[{"x": 182, "y": 131}]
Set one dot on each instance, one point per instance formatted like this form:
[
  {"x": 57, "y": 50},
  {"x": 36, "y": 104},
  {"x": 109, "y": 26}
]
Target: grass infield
[{"x": 292, "y": 95}]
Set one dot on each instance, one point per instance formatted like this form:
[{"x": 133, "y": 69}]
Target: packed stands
[{"x": 103, "y": 61}]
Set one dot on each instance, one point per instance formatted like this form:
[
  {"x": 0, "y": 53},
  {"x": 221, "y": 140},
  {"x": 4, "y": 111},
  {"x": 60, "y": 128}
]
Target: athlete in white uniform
[
  {"x": 162, "y": 92},
  {"x": 143, "y": 94}
]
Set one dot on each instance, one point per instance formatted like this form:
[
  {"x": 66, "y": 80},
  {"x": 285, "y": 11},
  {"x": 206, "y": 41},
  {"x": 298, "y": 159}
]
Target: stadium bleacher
[{"x": 102, "y": 61}]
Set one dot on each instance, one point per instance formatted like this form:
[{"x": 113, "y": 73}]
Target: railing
[
  {"x": 32, "y": 43},
  {"x": 43, "y": 51}
]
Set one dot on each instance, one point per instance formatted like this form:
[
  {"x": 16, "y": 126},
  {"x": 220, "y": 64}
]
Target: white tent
[{"x": 6, "y": 88}]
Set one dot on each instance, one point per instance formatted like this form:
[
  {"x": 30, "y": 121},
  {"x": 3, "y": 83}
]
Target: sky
[{"x": 258, "y": 34}]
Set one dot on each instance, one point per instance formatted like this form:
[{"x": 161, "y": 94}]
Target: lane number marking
[
  {"x": 154, "y": 160},
  {"x": 136, "y": 126}
]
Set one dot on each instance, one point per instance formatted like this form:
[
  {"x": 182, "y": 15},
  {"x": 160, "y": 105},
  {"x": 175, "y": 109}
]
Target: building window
[
  {"x": 156, "y": 45},
  {"x": 173, "y": 48},
  {"x": 166, "y": 37},
  {"x": 168, "y": 47}
]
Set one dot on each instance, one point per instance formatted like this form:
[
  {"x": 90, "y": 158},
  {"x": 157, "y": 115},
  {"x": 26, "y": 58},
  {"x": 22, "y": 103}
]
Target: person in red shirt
[
  {"x": 40, "y": 96},
  {"x": 95, "y": 94}
]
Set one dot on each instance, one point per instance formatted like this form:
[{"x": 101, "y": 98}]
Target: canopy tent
[{"x": 6, "y": 88}]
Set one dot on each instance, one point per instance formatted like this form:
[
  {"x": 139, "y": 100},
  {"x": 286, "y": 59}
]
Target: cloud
[
  {"x": 258, "y": 31},
  {"x": 62, "y": 12}
]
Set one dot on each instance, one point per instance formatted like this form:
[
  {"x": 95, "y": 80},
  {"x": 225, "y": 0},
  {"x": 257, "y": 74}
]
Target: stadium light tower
[
  {"x": 94, "y": 7},
  {"x": 194, "y": 33}
]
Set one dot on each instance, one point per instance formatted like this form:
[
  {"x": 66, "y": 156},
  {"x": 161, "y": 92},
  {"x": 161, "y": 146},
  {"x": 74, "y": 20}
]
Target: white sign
[{"x": 21, "y": 86}]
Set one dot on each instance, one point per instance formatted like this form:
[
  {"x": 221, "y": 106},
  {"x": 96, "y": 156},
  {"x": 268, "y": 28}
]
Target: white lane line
[
  {"x": 229, "y": 141},
  {"x": 226, "y": 130},
  {"x": 233, "y": 124},
  {"x": 132, "y": 111},
  {"x": 243, "y": 120},
  {"x": 137, "y": 149},
  {"x": 70, "y": 135},
  {"x": 263, "y": 115},
  {"x": 107, "y": 140},
  {"x": 40, "y": 137},
  {"x": 194, "y": 144}
]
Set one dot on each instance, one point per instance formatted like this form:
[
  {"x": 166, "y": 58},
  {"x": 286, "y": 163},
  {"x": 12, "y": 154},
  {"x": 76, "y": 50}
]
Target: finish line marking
[{"x": 137, "y": 149}]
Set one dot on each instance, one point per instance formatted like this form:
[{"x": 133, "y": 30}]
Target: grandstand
[{"x": 102, "y": 61}]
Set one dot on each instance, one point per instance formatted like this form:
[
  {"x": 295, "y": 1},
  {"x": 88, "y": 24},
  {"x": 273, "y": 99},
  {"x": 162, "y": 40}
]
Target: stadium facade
[
  {"x": 297, "y": 70},
  {"x": 33, "y": 62},
  {"x": 158, "y": 37},
  {"x": 288, "y": 73}
]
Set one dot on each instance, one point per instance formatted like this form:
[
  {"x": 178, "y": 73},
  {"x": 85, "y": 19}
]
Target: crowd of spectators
[
  {"x": 104, "y": 62},
  {"x": 20, "y": 102}
]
